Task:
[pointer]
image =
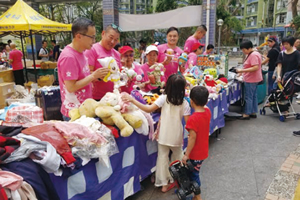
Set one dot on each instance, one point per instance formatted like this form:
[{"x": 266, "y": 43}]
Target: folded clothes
[{"x": 7, "y": 146}]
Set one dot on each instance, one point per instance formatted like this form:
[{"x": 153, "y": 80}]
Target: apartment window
[
  {"x": 252, "y": 8},
  {"x": 281, "y": 19},
  {"x": 251, "y": 21},
  {"x": 282, "y": 4}
]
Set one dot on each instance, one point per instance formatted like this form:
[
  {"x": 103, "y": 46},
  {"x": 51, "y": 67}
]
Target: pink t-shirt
[
  {"x": 189, "y": 44},
  {"x": 172, "y": 67},
  {"x": 16, "y": 55},
  {"x": 130, "y": 83},
  {"x": 205, "y": 53},
  {"x": 256, "y": 76},
  {"x": 72, "y": 65},
  {"x": 192, "y": 59},
  {"x": 100, "y": 88},
  {"x": 145, "y": 67}
]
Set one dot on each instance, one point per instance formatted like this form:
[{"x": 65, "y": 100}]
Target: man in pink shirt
[
  {"x": 102, "y": 49},
  {"x": 198, "y": 35},
  {"x": 73, "y": 70},
  {"x": 15, "y": 59}
]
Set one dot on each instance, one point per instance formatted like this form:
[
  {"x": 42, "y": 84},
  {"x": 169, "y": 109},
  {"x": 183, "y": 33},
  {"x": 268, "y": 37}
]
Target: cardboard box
[
  {"x": 6, "y": 91},
  {"x": 6, "y": 88},
  {"x": 7, "y": 75}
]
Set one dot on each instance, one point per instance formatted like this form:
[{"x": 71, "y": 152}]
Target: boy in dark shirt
[{"x": 198, "y": 127}]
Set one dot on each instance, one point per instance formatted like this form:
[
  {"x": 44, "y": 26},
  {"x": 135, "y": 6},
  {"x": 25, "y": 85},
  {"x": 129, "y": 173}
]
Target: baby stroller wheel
[
  {"x": 298, "y": 116},
  {"x": 181, "y": 194},
  {"x": 282, "y": 118}
]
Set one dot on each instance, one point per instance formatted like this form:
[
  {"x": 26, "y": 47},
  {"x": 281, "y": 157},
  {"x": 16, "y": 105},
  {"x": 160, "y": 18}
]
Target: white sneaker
[{"x": 298, "y": 97}]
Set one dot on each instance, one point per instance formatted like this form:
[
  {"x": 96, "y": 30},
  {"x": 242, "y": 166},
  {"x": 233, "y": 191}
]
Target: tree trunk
[{"x": 294, "y": 8}]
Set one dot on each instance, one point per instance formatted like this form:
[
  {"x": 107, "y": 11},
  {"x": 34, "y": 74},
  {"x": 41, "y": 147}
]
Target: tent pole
[
  {"x": 33, "y": 56},
  {"x": 26, "y": 74}
]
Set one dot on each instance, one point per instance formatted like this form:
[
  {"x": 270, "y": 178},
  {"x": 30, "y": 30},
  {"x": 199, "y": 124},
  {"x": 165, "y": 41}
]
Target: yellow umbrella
[
  {"x": 23, "y": 20},
  {"x": 21, "y": 17}
]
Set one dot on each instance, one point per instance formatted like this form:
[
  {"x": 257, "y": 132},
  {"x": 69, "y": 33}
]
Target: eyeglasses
[
  {"x": 92, "y": 37},
  {"x": 129, "y": 55},
  {"x": 116, "y": 27}
]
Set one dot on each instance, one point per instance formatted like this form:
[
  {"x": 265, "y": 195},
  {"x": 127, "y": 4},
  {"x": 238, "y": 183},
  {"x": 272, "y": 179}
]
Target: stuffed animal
[
  {"x": 209, "y": 81},
  {"x": 156, "y": 74},
  {"x": 211, "y": 71},
  {"x": 169, "y": 52},
  {"x": 114, "y": 73},
  {"x": 108, "y": 109},
  {"x": 212, "y": 92}
]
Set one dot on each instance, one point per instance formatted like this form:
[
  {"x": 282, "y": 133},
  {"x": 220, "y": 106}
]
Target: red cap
[
  {"x": 196, "y": 46},
  {"x": 125, "y": 49}
]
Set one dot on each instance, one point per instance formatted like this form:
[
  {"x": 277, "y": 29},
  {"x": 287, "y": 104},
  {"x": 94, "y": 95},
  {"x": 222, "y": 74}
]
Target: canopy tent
[{"x": 22, "y": 20}]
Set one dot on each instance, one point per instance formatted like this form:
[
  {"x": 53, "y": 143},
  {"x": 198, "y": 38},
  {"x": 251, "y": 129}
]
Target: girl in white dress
[{"x": 173, "y": 108}]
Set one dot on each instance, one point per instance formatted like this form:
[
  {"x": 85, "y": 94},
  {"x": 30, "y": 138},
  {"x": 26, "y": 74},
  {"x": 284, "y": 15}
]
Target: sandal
[{"x": 171, "y": 185}]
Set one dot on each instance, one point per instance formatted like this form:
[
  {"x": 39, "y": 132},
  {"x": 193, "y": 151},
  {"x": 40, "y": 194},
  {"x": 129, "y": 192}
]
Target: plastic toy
[
  {"x": 180, "y": 174},
  {"x": 169, "y": 52},
  {"x": 114, "y": 73},
  {"x": 182, "y": 61},
  {"x": 211, "y": 71}
]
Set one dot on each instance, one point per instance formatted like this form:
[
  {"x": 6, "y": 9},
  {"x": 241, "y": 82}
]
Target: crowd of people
[{"x": 81, "y": 76}]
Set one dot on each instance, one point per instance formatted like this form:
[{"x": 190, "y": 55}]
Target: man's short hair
[
  {"x": 44, "y": 41},
  {"x": 210, "y": 46},
  {"x": 54, "y": 41},
  {"x": 201, "y": 28},
  {"x": 81, "y": 25},
  {"x": 113, "y": 27},
  {"x": 199, "y": 95}
]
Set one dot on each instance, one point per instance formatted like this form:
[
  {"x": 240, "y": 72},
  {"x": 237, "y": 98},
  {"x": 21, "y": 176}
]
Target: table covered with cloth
[{"x": 135, "y": 161}]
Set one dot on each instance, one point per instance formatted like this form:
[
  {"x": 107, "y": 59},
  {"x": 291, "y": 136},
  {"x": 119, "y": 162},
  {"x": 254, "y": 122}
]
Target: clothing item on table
[
  {"x": 3, "y": 195},
  {"x": 25, "y": 192},
  {"x": 41, "y": 152},
  {"x": 10, "y": 180},
  {"x": 10, "y": 131},
  {"x": 47, "y": 132},
  {"x": 34, "y": 175},
  {"x": 7, "y": 146}
]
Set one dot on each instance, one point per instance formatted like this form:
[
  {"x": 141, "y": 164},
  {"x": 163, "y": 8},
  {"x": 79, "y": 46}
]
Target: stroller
[{"x": 280, "y": 99}]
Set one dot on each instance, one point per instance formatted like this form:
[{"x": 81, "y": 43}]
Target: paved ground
[{"x": 243, "y": 162}]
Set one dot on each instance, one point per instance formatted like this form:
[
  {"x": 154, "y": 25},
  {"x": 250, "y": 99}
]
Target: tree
[
  {"x": 165, "y": 5},
  {"x": 231, "y": 25},
  {"x": 294, "y": 8}
]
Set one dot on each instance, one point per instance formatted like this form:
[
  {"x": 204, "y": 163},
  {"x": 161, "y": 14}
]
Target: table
[{"x": 135, "y": 161}]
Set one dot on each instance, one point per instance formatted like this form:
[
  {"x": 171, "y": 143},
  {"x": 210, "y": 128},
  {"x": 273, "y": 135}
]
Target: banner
[{"x": 182, "y": 17}]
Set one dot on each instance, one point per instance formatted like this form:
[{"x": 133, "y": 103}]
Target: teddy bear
[
  {"x": 156, "y": 74},
  {"x": 108, "y": 109}
]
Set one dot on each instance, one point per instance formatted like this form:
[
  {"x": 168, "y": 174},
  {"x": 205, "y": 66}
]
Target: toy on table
[
  {"x": 191, "y": 81},
  {"x": 196, "y": 72},
  {"x": 151, "y": 98},
  {"x": 181, "y": 62},
  {"x": 114, "y": 73},
  {"x": 156, "y": 74},
  {"x": 180, "y": 174},
  {"x": 211, "y": 71},
  {"x": 209, "y": 81}
]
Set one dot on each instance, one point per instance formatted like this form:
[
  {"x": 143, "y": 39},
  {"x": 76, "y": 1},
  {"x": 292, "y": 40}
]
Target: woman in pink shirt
[
  {"x": 252, "y": 76},
  {"x": 170, "y": 62},
  {"x": 127, "y": 56},
  {"x": 151, "y": 54}
]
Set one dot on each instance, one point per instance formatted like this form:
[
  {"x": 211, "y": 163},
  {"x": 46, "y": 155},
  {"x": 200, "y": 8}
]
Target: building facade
[
  {"x": 135, "y": 6},
  {"x": 266, "y": 17}
]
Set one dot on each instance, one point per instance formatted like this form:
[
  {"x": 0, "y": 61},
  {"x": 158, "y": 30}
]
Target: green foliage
[
  {"x": 296, "y": 24},
  {"x": 195, "y": 2},
  {"x": 231, "y": 25},
  {"x": 165, "y": 5}
]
